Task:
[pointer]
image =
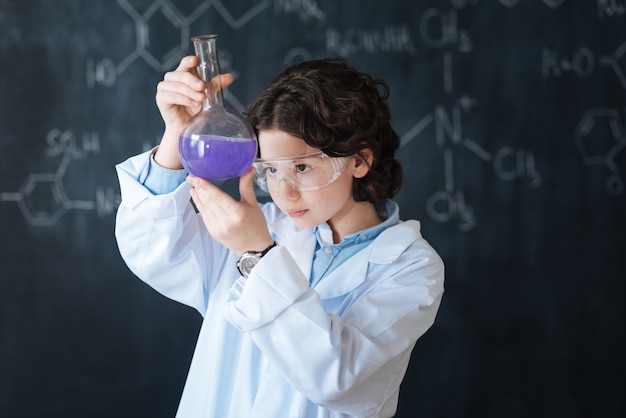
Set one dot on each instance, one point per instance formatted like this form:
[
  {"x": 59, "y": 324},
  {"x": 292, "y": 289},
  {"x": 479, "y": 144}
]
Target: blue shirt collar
[{"x": 324, "y": 234}]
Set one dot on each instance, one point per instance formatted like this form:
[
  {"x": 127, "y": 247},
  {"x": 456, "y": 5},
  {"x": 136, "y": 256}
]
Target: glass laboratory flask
[{"x": 216, "y": 143}]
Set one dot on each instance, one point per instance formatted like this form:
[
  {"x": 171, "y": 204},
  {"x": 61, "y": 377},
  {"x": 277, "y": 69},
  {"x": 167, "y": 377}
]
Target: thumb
[{"x": 246, "y": 189}]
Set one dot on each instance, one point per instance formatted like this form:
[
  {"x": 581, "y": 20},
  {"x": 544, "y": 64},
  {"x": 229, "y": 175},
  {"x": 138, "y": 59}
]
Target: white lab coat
[{"x": 271, "y": 346}]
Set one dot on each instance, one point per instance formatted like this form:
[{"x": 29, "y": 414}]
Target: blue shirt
[
  {"x": 329, "y": 256},
  {"x": 160, "y": 180}
]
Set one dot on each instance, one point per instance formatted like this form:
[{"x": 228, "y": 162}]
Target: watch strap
[
  {"x": 248, "y": 255},
  {"x": 267, "y": 249}
]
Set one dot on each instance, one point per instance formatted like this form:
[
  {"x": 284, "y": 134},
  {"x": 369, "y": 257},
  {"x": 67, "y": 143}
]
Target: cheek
[
  {"x": 341, "y": 189},
  {"x": 323, "y": 204},
  {"x": 331, "y": 200}
]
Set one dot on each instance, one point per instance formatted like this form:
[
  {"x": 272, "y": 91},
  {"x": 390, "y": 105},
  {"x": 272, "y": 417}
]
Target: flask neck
[{"x": 209, "y": 69}]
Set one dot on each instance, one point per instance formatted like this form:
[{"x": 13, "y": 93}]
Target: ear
[{"x": 362, "y": 163}]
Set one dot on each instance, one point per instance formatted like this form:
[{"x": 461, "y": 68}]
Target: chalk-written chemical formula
[
  {"x": 443, "y": 31},
  {"x": 42, "y": 197},
  {"x": 583, "y": 63},
  {"x": 508, "y": 163},
  {"x": 600, "y": 137},
  {"x": 105, "y": 72}
]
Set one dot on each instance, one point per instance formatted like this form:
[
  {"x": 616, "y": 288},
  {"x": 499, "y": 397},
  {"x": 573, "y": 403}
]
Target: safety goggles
[{"x": 303, "y": 173}]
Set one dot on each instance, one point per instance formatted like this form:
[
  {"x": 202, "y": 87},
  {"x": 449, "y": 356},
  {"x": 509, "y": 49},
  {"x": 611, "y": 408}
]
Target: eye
[
  {"x": 270, "y": 170},
  {"x": 302, "y": 168}
]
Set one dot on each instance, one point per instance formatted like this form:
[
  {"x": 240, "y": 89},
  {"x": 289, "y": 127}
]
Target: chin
[{"x": 304, "y": 224}]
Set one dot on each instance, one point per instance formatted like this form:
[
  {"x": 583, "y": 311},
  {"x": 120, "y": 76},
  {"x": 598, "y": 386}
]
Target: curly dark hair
[{"x": 336, "y": 108}]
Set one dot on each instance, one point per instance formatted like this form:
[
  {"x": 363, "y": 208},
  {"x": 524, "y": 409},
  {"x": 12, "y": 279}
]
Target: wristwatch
[{"x": 249, "y": 259}]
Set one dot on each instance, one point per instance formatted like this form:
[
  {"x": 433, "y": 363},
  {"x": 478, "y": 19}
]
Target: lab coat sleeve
[
  {"x": 161, "y": 238},
  {"x": 354, "y": 363}
]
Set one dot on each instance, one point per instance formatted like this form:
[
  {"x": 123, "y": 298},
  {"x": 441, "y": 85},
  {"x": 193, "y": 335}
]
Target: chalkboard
[{"x": 513, "y": 121}]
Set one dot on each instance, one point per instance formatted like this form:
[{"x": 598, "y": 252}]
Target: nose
[{"x": 286, "y": 190}]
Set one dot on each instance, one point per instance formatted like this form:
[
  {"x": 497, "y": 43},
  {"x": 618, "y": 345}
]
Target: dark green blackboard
[{"x": 513, "y": 119}]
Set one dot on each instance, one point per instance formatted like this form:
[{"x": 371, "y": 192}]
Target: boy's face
[{"x": 331, "y": 203}]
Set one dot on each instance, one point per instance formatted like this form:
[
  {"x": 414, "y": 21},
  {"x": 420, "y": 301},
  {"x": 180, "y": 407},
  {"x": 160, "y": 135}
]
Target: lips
[{"x": 297, "y": 213}]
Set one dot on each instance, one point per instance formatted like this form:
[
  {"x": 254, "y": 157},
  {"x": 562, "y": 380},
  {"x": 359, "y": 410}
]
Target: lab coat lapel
[
  {"x": 385, "y": 249},
  {"x": 346, "y": 277},
  {"x": 299, "y": 242},
  {"x": 301, "y": 246}
]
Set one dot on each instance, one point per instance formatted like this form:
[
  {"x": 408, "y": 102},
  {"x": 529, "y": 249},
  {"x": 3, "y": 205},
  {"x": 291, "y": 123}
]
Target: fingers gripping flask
[{"x": 216, "y": 143}]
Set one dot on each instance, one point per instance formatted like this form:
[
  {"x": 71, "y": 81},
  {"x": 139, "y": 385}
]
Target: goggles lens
[{"x": 304, "y": 173}]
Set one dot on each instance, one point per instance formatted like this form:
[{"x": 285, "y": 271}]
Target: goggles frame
[{"x": 338, "y": 164}]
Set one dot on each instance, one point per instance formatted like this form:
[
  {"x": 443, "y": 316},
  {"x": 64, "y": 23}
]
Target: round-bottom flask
[{"x": 216, "y": 143}]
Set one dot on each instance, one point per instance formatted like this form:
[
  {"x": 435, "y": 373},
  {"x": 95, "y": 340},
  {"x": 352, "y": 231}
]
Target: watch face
[
  {"x": 250, "y": 262},
  {"x": 247, "y": 262}
]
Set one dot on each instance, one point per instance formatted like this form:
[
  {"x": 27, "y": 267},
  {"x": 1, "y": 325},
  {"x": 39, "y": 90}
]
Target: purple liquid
[{"x": 215, "y": 157}]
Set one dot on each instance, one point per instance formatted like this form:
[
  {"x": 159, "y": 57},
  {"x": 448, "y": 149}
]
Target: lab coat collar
[{"x": 385, "y": 249}]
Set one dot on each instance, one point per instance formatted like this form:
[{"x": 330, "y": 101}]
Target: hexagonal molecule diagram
[
  {"x": 42, "y": 198},
  {"x": 600, "y": 137}
]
